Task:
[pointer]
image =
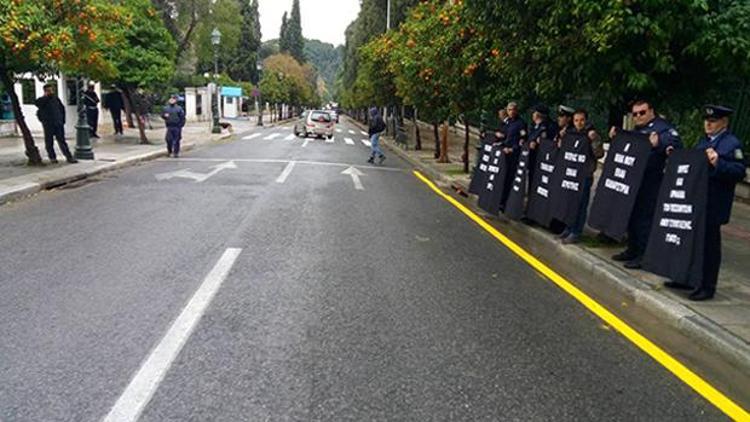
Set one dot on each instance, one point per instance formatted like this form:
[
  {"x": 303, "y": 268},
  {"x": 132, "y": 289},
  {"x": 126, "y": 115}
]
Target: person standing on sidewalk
[
  {"x": 515, "y": 134},
  {"x": 544, "y": 130},
  {"x": 377, "y": 126},
  {"x": 91, "y": 102},
  {"x": 663, "y": 136},
  {"x": 724, "y": 154},
  {"x": 582, "y": 126},
  {"x": 51, "y": 112},
  {"x": 174, "y": 117},
  {"x": 113, "y": 102}
]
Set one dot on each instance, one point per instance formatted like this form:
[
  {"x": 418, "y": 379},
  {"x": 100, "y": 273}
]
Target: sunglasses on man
[{"x": 640, "y": 113}]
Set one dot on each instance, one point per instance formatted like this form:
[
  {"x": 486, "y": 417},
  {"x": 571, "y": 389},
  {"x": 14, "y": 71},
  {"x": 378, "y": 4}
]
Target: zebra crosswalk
[{"x": 287, "y": 137}]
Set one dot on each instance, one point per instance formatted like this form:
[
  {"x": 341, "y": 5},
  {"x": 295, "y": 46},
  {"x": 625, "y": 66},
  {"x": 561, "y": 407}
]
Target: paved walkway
[{"x": 723, "y": 322}]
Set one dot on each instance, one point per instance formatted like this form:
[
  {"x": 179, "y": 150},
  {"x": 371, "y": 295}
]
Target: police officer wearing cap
[
  {"x": 724, "y": 154},
  {"x": 663, "y": 136},
  {"x": 544, "y": 130},
  {"x": 515, "y": 134}
]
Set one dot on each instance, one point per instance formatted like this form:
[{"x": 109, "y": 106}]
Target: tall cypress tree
[
  {"x": 284, "y": 35},
  {"x": 244, "y": 66},
  {"x": 294, "y": 30}
]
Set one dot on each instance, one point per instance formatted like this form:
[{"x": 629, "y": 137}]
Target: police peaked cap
[
  {"x": 568, "y": 111},
  {"x": 716, "y": 111},
  {"x": 541, "y": 109}
]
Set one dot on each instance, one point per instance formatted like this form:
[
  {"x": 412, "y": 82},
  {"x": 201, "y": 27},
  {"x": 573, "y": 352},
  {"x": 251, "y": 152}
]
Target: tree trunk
[
  {"x": 139, "y": 116},
  {"x": 32, "y": 152},
  {"x": 128, "y": 110},
  {"x": 418, "y": 144},
  {"x": 465, "y": 156},
  {"x": 436, "y": 134},
  {"x": 444, "y": 144}
]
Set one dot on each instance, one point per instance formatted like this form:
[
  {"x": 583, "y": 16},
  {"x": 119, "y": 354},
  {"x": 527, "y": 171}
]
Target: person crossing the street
[{"x": 376, "y": 127}]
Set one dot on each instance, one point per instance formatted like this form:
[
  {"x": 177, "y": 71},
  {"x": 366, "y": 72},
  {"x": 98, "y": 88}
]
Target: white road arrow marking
[
  {"x": 289, "y": 138},
  {"x": 198, "y": 177},
  {"x": 271, "y": 136},
  {"x": 249, "y": 137},
  {"x": 355, "y": 174},
  {"x": 287, "y": 171},
  {"x": 349, "y": 141},
  {"x": 304, "y": 144},
  {"x": 367, "y": 143}
]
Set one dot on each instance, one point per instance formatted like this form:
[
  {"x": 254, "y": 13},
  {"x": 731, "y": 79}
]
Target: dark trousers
[
  {"x": 92, "y": 116},
  {"x": 50, "y": 133},
  {"x": 174, "y": 136},
  {"x": 583, "y": 208},
  {"x": 639, "y": 226},
  {"x": 117, "y": 119},
  {"x": 711, "y": 256},
  {"x": 511, "y": 160}
]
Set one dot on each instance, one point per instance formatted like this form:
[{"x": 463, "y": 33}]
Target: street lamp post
[
  {"x": 83, "y": 130},
  {"x": 215, "y": 41},
  {"x": 259, "y": 97}
]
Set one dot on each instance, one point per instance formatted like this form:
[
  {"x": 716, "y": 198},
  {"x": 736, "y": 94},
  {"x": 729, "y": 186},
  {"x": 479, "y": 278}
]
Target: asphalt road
[{"x": 342, "y": 304}]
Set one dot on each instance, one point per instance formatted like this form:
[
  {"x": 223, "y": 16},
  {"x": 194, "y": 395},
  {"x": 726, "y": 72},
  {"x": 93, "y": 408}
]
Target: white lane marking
[
  {"x": 304, "y": 144},
  {"x": 253, "y": 136},
  {"x": 367, "y": 143},
  {"x": 349, "y": 141},
  {"x": 351, "y": 132},
  {"x": 271, "y": 136},
  {"x": 145, "y": 382},
  {"x": 355, "y": 174},
  {"x": 276, "y": 161},
  {"x": 363, "y": 132},
  {"x": 198, "y": 177},
  {"x": 338, "y": 130},
  {"x": 287, "y": 171},
  {"x": 289, "y": 138},
  {"x": 330, "y": 140}
]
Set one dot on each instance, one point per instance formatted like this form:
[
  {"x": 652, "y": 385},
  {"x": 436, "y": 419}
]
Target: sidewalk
[
  {"x": 722, "y": 325},
  {"x": 18, "y": 180}
]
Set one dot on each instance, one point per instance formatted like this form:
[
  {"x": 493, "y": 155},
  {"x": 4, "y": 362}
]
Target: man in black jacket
[
  {"x": 52, "y": 115},
  {"x": 91, "y": 102}
]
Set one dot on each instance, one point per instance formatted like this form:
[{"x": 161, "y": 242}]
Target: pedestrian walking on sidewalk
[
  {"x": 91, "y": 102},
  {"x": 727, "y": 164},
  {"x": 377, "y": 126},
  {"x": 51, "y": 112},
  {"x": 595, "y": 151},
  {"x": 662, "y": 136},
  {"x": 113, "y": 102},
  {"x": 174, "y": 117}
]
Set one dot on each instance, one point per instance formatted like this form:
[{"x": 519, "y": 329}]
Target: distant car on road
[{"x": 317, "y": 123}]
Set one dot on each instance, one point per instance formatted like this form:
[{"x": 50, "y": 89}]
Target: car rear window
[{"x": 318, "y": 116}]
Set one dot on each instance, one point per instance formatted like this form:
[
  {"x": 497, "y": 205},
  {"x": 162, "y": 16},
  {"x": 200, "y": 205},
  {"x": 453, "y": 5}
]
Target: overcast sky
[{"x": 324, "y": 20}]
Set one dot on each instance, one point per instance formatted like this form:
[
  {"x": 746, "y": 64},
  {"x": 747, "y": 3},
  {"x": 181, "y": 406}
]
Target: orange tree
[
  {"x": 439, "y": 62},
  {"x": 47, "y": 36}
]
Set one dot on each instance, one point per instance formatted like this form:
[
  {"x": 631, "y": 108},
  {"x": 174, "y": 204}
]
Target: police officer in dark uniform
[
  {"x": 544, "y": 130},
  {"x": 91, "y": 102},
  {"x": 724, "y": 154},
  {"x": 663, "y": 136},
  {"x": 564, "y": 121},
  {"x": 515, "y": 134}
]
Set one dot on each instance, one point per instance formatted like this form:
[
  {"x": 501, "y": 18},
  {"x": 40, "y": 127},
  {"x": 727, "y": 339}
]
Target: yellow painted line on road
[{"x": 709, "y": 392}]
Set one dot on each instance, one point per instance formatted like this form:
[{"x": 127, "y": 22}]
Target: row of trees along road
[{"x": 451, "y": 59}]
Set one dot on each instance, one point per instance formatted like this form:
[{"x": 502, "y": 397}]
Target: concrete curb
[
  {"x": 677, "y": 315},
  {"x": 16, "y": 192}
]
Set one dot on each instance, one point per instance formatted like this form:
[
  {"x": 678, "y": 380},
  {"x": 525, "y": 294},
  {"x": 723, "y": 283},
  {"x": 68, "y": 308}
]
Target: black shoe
[
  {"x": 371, "y": 160},
  {"x": 700, "y": 295},
  {"x": 72, "y": 160},
  {"x": 381, "y": 159},
  {"x": 676, "y": 286},
  {"x": 634, "y": 264},
  {"x": 624, "y": 256}
]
